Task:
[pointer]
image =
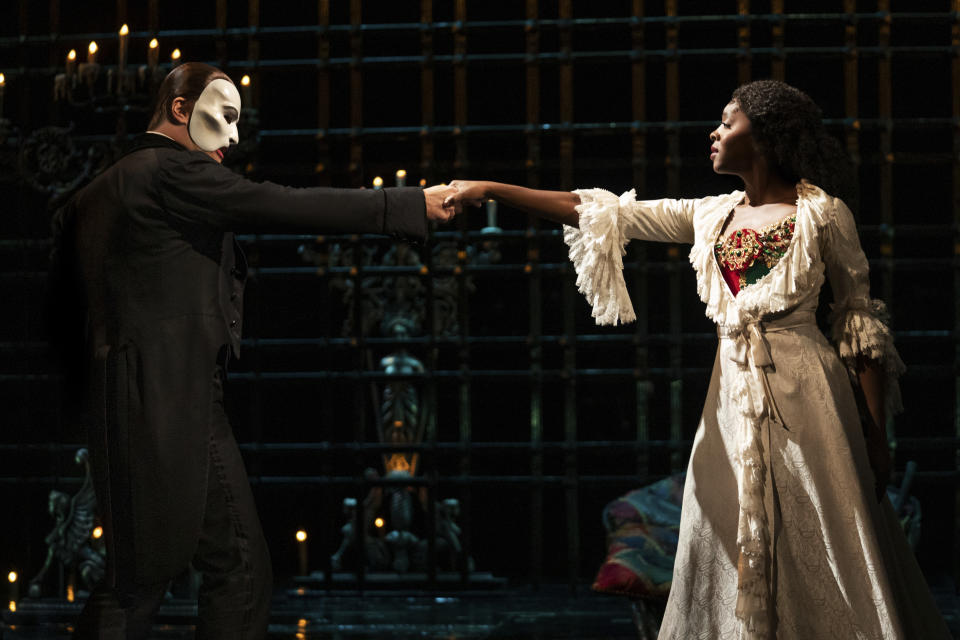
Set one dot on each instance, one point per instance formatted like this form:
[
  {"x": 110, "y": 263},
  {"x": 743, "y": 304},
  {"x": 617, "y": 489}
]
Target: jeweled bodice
[{"x": 746, "y": 255}]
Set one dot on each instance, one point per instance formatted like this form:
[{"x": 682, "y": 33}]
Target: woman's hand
[
  {"x": 878, "y": 453},
  {"x": 468, "y": 192},
  {"x": 558, "y": 206},
  {"x": 870, "y": 402}
]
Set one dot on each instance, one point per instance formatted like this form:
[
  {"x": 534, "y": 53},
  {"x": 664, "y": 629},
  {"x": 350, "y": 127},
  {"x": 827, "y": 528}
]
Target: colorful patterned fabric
[
  {"x": 642, "y": 528},
  {"x": 748, "y": 255}
]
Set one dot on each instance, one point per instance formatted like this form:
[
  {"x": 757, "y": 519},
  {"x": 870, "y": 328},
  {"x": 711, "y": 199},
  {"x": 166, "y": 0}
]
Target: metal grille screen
[{"x": 525, "y": 412}]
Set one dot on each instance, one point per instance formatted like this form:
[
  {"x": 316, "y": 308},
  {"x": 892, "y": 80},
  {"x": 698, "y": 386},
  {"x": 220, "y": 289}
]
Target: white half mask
[{"x": 213, "y": 122}]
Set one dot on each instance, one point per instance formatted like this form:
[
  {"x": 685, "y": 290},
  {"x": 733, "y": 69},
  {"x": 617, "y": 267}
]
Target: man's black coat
[{"x": 159, "y": 287}]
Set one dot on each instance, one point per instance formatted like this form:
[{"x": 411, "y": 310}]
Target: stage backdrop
[{"x": 477, "y": 345}]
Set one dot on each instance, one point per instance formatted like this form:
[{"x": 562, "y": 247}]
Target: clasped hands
[{"x": 444, "y": 201}]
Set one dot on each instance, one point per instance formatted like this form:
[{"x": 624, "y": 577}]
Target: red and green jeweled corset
[{"x": 747, "y": 255}]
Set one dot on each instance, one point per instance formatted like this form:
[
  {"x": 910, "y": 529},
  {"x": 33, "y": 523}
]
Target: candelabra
[
  {"x": 395, "y": 305},
  {"x": 50, "y": 159},
  {"x": 110, "y": 88}
]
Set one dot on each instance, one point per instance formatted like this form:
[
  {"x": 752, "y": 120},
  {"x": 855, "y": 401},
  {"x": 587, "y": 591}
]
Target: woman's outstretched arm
[{"x": 556, "y": 206}]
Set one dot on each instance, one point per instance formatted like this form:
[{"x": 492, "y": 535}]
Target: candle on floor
[{"x": 302, "y": 551}]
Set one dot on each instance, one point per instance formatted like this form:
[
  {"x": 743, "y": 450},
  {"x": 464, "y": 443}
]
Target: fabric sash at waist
[
  {"x": 751, "y": 348},
  {"x": 756, "y": 520}
]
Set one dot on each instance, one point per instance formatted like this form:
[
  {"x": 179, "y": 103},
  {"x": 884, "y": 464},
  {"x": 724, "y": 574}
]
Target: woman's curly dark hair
[{"x": 788, "y": 128}]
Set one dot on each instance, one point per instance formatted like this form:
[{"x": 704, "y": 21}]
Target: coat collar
[{"x": 152, "y": 141}]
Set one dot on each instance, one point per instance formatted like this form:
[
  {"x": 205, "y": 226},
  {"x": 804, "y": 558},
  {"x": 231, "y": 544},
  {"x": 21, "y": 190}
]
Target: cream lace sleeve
[
  {"x": 607, "y": 223},
  {"x": 860, "y": 323}
]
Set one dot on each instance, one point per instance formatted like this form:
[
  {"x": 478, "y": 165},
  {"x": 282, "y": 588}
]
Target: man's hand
[
  {"x": 435, "y": 197},
  {"x": 468, "y": 192}
]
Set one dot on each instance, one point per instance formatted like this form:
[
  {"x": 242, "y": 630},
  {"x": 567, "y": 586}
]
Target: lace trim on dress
[
  {"x": 861, "y": 329},
  {"x": 597, "y": 249},
  {"x": 799, "y": 270},
  {"x": 711, "y": 287}
]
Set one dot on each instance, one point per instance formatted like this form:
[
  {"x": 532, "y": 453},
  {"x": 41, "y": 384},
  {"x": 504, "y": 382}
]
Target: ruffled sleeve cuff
[
  {"x": 862, "y": 330},
  {"x": 597, "y": 249}
]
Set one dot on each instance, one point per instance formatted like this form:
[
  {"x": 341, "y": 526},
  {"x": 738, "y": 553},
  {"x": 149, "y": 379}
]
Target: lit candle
[
  {"x": 491, "y": 213},
  {"x": 90, "y": 69},
  {"x": 245, "y": 99},
  {"x": 174, "y": 58},
  {"x": 401, "y": 177},
  {"x": 14, "y": 592},
  {"x": 153, "y": 53},
  {"x": 72, "y": 65},
  {"x": 3, "y": 82},
  {"x": 378, "y": 183},
  {"x": 302, "y": 551},
  {"x": 122, "y": 61}
]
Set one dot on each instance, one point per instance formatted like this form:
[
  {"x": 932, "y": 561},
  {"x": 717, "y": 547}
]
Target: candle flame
[
  {"x": 378, "y": 181},
  {"x": 124, "y": 30},
  {"x": 175, "y": 54},
  {"x": 12, "y": 576},
  {"x": 97, "y": 533},
  {"x": 72, "y": 55},
  {"x": 245, "y": 81},
  {"x": 12, "y": 606},
  {"x": 423, "y": 182},
  {"x": 3, "y": 80},
  {"x": 154, "y": 44},
  {"x": 401, "y": 173},
  {"x": 92, "y": 47},
  {"x": 301, "y": 535},
  {"x": 378, "y": 523}
]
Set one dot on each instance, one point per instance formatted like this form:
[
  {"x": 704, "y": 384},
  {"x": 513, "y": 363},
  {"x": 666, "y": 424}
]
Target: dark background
[{"x": 357, "y": 111}]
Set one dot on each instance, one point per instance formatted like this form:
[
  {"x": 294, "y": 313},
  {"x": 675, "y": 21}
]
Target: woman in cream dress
[{"x": 785, "y": 531}]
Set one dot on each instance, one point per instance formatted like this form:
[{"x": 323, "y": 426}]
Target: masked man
[{"x": 148, "y": 252}]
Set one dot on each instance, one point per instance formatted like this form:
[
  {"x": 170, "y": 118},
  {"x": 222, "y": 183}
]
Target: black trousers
[{"x": 231, "y": 554}]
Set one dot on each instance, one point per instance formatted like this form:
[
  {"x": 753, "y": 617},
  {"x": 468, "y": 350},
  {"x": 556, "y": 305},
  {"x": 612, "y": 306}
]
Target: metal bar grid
[
  {"x": 676, "y": 261},
  {"x": 534, "y": 292},
  {"x": 955, "y": 205},
  {"x": 775, "y": 17},
  {"x": 885, "y": 112},
  {"x": 641, "y": 335},
  {"x": 534, "y": 131}
]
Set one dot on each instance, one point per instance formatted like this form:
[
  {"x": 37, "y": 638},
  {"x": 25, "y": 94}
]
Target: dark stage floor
[
  {"x": 551, "y": 612},
  {"x": 518, "y": 614}
]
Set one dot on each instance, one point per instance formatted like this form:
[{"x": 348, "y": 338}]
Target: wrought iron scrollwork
[{"x": 50, "y": 162}]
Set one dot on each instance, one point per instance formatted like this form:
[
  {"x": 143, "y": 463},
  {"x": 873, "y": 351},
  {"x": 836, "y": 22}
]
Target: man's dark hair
[
  {"x": 788, "y": 128},
  {"x": 186, "y": 81}
]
